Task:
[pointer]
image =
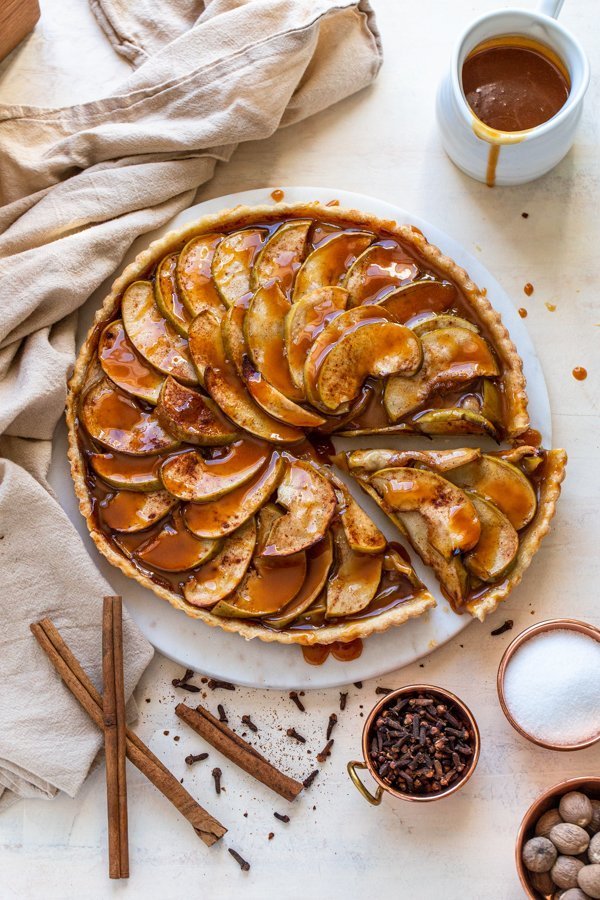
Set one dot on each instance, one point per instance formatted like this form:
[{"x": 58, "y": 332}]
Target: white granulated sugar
[{"x": 552, "y": 687}]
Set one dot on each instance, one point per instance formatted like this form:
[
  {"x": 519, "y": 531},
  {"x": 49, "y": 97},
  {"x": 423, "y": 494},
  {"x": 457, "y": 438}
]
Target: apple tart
[{"x": 228, "y": 353}]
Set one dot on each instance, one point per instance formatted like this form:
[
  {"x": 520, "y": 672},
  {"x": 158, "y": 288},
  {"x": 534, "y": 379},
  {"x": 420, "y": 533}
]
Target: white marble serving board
[{"x": 254, "y": 663}]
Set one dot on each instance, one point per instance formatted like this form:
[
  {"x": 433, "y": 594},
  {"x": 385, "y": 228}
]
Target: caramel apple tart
[{"x": 203, "y": 402}]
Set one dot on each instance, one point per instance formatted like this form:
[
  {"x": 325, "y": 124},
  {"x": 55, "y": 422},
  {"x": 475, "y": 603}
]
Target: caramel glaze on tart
[{"x": 184, "y": 400}]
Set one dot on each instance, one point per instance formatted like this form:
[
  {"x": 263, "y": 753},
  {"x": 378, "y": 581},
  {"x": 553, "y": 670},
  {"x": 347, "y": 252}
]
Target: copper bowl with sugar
[
  {"x": 550, "y": 799},
  {"x": 411, "y": 690},
  {"x": 516, "y": 644}
]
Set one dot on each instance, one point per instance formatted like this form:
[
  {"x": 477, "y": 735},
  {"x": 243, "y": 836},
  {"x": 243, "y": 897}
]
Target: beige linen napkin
[{"x": 77, "y": 186}]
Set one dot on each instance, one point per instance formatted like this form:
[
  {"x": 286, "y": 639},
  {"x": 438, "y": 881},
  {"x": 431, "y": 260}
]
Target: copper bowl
[
  {"x": 411, "y": 689},
  {"x": 548, "y": 800},
  {"x": 548, "y": 625}
]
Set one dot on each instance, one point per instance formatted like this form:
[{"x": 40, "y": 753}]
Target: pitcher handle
[
  {"x": 550, "y": 8},
  {"x": 375, "y": 799}
]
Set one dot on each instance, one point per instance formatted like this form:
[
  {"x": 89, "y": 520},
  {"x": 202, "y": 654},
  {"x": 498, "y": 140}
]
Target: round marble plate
[{"x": 214, "y": 652}]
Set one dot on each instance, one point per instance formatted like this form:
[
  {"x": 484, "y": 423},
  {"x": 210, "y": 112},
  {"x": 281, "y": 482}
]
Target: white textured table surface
[{"x": 382, "y": 142}]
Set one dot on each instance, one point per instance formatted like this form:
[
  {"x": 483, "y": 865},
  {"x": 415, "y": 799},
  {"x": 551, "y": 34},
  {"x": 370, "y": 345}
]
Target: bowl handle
[{"x": 375, "y": 800}]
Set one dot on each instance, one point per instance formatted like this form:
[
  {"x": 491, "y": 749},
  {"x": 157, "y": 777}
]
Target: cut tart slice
[{"x": 476, "y": 518}]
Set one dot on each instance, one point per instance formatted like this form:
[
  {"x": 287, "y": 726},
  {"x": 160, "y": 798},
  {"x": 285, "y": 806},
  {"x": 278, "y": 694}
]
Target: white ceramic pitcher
[{"x": 505, "y": 158}]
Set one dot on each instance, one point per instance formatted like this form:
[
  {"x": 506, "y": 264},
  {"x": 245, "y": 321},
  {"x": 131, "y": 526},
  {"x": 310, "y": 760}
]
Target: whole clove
[
  {"x": 193, "y": 758},
  {"x": 281, "y": 818},
  {"x": 183, "y": 683},
  {"x": 296, "y": 699},
  {"x": 310, "y": 778},
  {"x": 291, "y": 732},
  {"x": 243, "y": 864},
  {"x": 420, "y": 744},
  {"x": 215, "y": 683},
  {"x": 222, "y": 714},
  {"x": 358, "y": 684},
  {"x": 383, "y": 690},
  {"x": 216, "y": 774},
  {"x": 325, "y": 752},
  {"x": 331, "y": 724},
  {"x": 248, "y": 721},
  {"x": 343, "y": 699},
  {"x": 502, "y": 628}
]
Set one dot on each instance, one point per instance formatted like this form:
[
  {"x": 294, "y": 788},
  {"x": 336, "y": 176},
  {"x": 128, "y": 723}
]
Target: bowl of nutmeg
[{"x": 558, "y": 844}]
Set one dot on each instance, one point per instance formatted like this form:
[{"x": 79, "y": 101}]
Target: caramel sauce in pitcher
[{"x": 512, "y": 84}]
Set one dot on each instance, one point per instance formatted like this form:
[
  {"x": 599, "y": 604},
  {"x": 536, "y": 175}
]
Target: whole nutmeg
[
  {"x": 547, "y": 821},
  {"x": 594, "y": 825},
  {"x": 588, "y": 880},
  {"x": 541, "y": 882},
  {"x": 573, "y": 894},
  {"x": 569, "y": 839},
  {"x": 539, "y": 854},
  {"x": 594, "y": 849},
  {"x": 565, "y": 870},
  {"x": 576, "y": 808}
]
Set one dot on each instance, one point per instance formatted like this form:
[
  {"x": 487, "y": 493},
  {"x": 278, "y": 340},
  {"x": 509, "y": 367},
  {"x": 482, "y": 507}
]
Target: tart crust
[{"x": 517, "y": 419}]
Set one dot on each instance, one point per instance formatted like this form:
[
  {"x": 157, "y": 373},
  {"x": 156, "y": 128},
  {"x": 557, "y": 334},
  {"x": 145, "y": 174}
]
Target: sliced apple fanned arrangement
[{"x": 231, "y": 349}]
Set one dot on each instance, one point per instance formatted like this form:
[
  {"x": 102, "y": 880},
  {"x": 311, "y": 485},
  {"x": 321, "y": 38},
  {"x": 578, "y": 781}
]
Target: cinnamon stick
[
  {"x": 113, "y": 709},
  {"x": 238, "y": 751},
  {"x": 68, "y": 667}
]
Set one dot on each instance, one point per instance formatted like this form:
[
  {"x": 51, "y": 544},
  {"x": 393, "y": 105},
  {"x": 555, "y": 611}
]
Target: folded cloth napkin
[{"x": 77, "y": 186}]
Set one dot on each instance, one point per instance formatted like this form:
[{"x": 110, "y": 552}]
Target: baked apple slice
[
  {"x": 194, "y": 276},
  {"x": 269, "y": 584},
  {"x": 344, "y": 323},
  {"x": 121, "y": 363},
  {"x": 319, "y": 559},
  {"x": 232, "y": 332},
  {"x": 225, "y": 386},
  {"x": 381, "y": 267},
  {"x": 451, "y": 357},
  {"x": 430, "y": 322},
  {"x": 220, "y": 517},
  {"x": 362, "y": 535},
  {"x": 281, "y": 256},
  {"x": 380, "y": 458},
  {"x": 152, "y": 336},
  {"x": 166, "y": 294},
  {"x": 189, "y": 476},
  {"x": 329, "y": 262},
  {"x": 130, "y": 511},
  {"x": 498, "y": 542},
  {"x": 220, "y": 576},
  {"x": 376, "y": 349},
  {"x": 274, "y": 402},
  {"x": 115, "y": 420},
  {"x": 128, "y": 473},
  {"x": 455, "y": 421},
  {"x": 501, "y": 483},
  {"x": 356, "y": 578},
  {"x": 192, "y": 417},
  {"x": 264, "y": 331},
  {"x": 310, "y": 502},
  {"x": 175, "y": 549},
  {"x": 451, "y": 518},
  {"x": 304, "y": 321},
  {"x": 232, "y": 262},
  {"x": 421, "y": 297}
]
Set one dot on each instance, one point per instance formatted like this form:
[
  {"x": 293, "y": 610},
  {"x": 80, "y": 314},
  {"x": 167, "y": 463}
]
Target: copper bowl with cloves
[{"x": 420, "y": 743}]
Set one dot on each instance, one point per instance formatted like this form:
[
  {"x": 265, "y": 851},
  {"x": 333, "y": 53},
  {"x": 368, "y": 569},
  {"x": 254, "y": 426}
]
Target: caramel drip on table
[{"x": 580, "y": 373}]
